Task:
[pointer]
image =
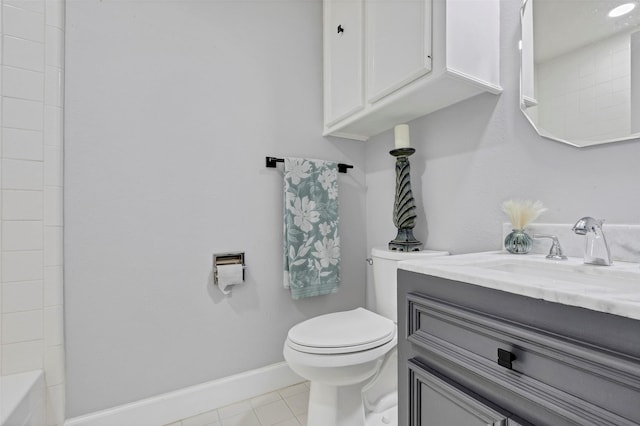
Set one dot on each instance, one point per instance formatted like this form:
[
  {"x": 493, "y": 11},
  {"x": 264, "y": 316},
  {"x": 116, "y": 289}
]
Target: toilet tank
[{"x": 385, "y": 267}]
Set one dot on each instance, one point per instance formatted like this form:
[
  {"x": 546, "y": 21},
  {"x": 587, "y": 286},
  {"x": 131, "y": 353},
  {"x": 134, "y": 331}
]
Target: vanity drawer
[
  {"x": 574, "y": 378},
  {"x": 439, "y": 401}
]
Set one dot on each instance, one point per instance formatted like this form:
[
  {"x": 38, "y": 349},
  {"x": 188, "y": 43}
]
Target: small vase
[{"x": 518, "y": 242}]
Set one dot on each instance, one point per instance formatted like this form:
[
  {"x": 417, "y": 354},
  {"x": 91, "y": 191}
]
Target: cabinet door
[
  {"x": 434, "y": 401},
  {"x": 398, "y": 44},
  {"x": 343, "y": 59}
]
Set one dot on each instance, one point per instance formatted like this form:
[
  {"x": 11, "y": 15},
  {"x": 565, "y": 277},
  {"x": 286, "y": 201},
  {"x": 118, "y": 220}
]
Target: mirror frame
[{"x": 526, "y": 101}]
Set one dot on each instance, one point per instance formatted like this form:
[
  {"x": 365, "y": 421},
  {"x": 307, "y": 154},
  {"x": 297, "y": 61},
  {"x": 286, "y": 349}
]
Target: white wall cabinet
[
  {"x": 343, "y": 42},
  {"x": 388, "y": 62},
  {"x": 391, "y": 25}
]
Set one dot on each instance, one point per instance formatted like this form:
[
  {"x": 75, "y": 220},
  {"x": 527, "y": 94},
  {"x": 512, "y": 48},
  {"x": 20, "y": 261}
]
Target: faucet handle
[{"x": 555, "y": 252}]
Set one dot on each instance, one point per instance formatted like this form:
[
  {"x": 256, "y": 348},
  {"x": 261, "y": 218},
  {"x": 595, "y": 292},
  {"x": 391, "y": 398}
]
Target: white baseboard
[{"x": 188, "y": 402}]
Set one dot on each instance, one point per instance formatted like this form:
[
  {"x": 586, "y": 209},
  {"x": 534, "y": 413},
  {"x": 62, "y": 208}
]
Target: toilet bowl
[{"x": 350, "y": 357}]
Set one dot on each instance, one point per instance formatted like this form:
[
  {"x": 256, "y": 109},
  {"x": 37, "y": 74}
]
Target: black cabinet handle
[
  {"x": 505, "y": 358},
  {"x": 340, "y": 29}
]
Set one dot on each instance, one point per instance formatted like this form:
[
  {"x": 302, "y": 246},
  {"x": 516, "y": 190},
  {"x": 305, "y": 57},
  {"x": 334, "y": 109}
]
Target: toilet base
[
  {"x": 335, "y": 405},
  {"x": 371, "y": 402},
  {"x": 343, "y": 406},
  {"x": 388, "y": 417}
]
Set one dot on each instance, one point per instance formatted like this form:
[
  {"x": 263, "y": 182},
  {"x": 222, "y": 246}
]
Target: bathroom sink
[{"x": 612, "y": 289}]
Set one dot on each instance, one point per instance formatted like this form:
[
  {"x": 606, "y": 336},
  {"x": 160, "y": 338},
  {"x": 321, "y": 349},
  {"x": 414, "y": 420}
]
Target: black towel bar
[{"x": 271, "y": 162}]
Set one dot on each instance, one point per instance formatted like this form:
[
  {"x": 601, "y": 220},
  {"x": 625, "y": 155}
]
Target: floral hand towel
[{"x": 311, "y": 240}]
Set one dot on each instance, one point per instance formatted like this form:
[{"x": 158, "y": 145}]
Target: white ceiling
[{"x": 563, "y": 25}]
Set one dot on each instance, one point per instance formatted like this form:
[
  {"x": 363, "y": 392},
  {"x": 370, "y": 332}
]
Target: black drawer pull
[{"x": 505, "y": 358}]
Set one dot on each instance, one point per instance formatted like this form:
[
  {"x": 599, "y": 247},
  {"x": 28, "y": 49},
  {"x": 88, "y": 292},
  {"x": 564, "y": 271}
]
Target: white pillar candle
[{"x": 401, "y": 132}]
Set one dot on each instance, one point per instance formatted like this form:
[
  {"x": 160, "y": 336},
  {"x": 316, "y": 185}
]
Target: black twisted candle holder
[{"x": 404, "y": 208}]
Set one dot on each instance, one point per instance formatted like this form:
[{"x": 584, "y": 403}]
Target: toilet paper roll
[{"x": 228, "y": 276}]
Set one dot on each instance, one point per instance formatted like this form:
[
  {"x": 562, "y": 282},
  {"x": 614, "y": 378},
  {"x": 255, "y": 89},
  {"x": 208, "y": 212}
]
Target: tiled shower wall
[
  {"x": 31, "y": 301},
  {"x": 635, "y": 82},
  {"x": 596, "y": 105}
]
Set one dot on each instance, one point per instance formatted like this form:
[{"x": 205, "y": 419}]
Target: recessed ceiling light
[{"x": 621, "y": 10}]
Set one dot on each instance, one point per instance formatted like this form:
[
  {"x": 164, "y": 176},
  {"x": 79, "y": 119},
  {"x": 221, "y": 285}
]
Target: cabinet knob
[
  {"x": 340, "y": 29},
  {"x": 505, "y": 358}
]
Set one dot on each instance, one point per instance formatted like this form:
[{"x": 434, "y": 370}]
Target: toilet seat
[{"x": 341, "y": 333}]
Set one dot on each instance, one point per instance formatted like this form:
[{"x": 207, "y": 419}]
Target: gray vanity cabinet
[
  {"x": 438, "y": 401},
  {"x": 470, "y": 355}
]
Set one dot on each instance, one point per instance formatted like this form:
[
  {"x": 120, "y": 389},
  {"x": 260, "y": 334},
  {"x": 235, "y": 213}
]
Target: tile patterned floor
[{"x": 284, "y": 407}]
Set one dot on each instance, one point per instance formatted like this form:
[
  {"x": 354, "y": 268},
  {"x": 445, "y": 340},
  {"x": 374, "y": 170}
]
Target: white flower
[
  {"x": 298, "y": 170},
  {"x": 304, "y": 213},
  {"x": 325, "y": 228},
  {"x": 327, "y": 177},
  {"x": 328, "y": 251},
  {"x": 332, "y": 192}
]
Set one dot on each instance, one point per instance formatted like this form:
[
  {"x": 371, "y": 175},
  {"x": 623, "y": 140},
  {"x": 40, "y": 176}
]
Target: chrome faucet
[
  {"x": 596, "y": 250},
  {"x": 555, "y": 252}
]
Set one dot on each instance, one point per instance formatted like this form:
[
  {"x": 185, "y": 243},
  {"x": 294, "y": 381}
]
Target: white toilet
[{"x": 350, "y": 357}]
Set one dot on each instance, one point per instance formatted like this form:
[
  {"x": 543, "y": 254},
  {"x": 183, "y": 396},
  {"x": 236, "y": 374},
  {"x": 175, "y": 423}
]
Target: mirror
[{"x": 580, "y": 70}]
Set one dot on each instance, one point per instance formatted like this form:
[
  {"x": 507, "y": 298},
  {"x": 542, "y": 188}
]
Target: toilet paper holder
[{"x": 220, "y": 259}]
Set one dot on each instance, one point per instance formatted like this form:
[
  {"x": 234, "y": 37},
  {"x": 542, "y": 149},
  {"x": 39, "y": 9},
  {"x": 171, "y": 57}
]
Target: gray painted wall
[
  {"x": 172, "y": 107},
  {"x": 474, "y": 155}
]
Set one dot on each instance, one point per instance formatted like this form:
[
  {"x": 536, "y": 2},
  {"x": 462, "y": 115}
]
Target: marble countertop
[{"x": 612, "y": 289}]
